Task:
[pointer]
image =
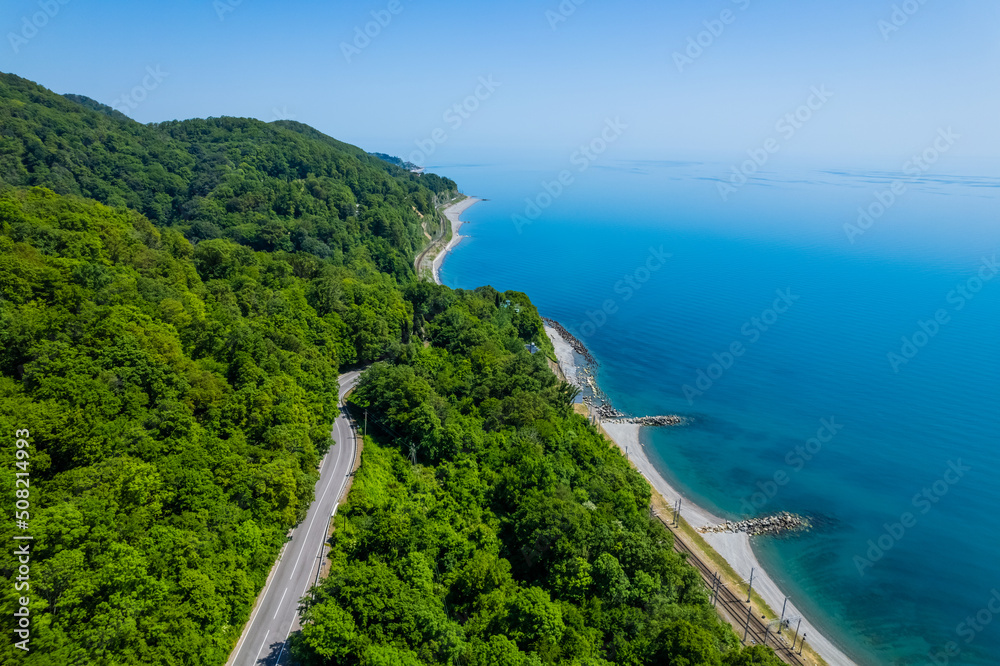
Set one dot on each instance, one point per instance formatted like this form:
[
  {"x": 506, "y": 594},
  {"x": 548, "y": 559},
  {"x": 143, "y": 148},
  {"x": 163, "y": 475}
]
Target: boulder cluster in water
[
  {"x": 777, "y": 523},
  {"x": 668, "y": 420},
  {"x": 605, "y": 411},
  {"x": 608, "y": 413}
]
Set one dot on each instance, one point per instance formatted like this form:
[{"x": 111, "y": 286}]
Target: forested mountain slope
[
  {"x": 491, "y": 525},
  {"x": 270, "y": 186},
  {"x": 179, "y": 399},
  {"x": 173, "y": 349}
]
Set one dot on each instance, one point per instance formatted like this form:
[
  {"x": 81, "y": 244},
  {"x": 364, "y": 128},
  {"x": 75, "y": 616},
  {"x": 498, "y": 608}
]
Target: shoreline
[
  {"x": 734, "y": 548},
  {"x": 452, "y": 213}
]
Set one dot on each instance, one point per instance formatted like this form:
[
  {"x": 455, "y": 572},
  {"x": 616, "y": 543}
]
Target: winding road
[{"x": 265, "y": 637}]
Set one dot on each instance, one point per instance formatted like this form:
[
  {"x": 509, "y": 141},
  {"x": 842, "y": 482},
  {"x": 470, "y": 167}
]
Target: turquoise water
[{"x": 889, "y": 574}]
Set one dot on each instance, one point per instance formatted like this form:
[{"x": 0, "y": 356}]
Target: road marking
[
  {"x": 261, "y": 646},
  {"x": 287, "y": 633},
  {"x": 328, "y": 481},
  {"x": 340, "y": 449},
  {"x": 349, "y": 378},
  {"x": 319, "y": 554},
  {"x": 263, "y": 596},
  {"x": 279, "y": 603}
]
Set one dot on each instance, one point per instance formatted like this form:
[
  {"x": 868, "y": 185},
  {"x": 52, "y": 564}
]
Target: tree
[
  {"x": 684, "y": 644},
  {"x": 753, "y": 655}
]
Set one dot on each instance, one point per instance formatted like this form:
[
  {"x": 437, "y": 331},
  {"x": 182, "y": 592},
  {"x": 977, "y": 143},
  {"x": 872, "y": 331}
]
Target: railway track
[
  {"x": 734, "y": 608},
  {"x": 433, "y": 243}
]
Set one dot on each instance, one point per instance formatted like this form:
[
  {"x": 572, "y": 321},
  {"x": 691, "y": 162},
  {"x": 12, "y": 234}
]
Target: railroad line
[{"x": 734, "y": 608}]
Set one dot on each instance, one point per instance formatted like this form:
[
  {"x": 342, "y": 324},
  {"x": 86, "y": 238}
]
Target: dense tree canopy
[
  {"x": 177, "y": 302},
  {"x": 179, "y": 400},
  {"x": 491, "y": 525},
  {"x": 278, "y": 186}
]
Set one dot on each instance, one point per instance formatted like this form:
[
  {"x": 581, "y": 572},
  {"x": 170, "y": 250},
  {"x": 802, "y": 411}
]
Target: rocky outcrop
[
  {"x": 652, "y": 421},
  {"x": 597, "y": 400},
  {"x": 777, "y": 523},
  {"x": 577, "y": 346},
  {"x": 604, "y": 410}
]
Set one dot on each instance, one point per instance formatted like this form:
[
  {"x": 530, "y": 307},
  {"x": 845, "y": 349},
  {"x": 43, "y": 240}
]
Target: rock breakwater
[
  {"x": 773, "y": 524},
  {"x": 652, "y": 421},
  {"x": 577, "y": 346},
  {"x": 598, "y": 402}
]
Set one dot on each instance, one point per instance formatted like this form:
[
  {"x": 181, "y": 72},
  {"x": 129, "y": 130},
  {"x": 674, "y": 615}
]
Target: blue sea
[{"x": 834, "y": 365}]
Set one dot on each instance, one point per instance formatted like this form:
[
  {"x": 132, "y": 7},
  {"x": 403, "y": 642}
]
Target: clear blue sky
[{"x": 557, "y": 85}]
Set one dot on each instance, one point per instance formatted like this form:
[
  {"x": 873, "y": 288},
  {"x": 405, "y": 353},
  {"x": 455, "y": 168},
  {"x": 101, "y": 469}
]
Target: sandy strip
[
  {"x": 452, "y": 213},
  {"x": 734, "y": 548},
  {"x": 564, "y": 354}
]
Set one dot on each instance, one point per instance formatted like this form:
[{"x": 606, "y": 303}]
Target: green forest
[{"x": 178, "y": 300}]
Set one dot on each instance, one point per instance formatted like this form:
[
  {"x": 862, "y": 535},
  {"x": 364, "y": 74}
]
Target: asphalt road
[{"x": 265, "y": 636}]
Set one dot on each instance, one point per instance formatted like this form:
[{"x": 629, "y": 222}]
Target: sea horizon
[
  {"x": 829, "y": 365},
  {"x": 770, "y": 226}
]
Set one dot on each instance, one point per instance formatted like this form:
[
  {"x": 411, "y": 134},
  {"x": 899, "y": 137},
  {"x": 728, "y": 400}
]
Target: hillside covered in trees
[
  {"x": 177, "y": 302},
  {"x": 492, "y": 525},
  {"x": 278, "y": 186}
]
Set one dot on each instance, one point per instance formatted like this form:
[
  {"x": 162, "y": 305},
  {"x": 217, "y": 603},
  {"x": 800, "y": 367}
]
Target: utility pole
[
  {"x": 802, "y": 643},
  {"x": 782, "y": 614},
  {"x": 797, "y": 625},
  {"x": 750, "y": 589}
]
